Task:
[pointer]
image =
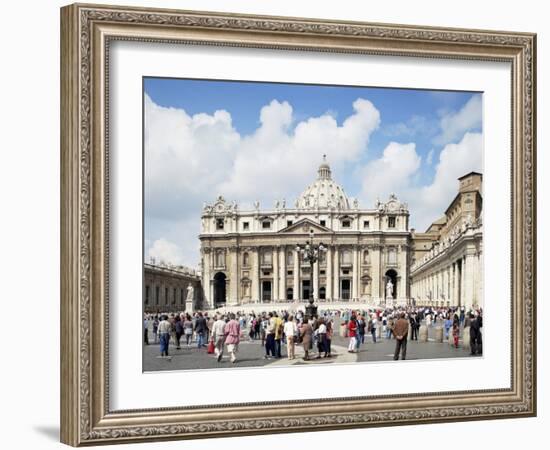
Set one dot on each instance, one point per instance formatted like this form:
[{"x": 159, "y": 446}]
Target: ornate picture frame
[{"x": 86, "y": 34}]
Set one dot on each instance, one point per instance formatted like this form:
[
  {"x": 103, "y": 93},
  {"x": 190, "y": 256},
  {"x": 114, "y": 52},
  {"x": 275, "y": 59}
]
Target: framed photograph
[{"x": 280, "y": 224}]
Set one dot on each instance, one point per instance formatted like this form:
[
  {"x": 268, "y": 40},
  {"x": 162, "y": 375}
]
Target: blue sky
[{"x": 391, "y": 133}]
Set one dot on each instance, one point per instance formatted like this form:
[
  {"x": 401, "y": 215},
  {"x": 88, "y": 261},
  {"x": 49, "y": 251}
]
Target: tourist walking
[
  {"x": 321, "y": 338},
  {"x": 218, "y": 334},
  {"x": 179, "y": 330},
  {"x": 352, "y": 333},
  {"x": 400, "y": 331},
  {"x": 306, "y": 333},
  {"x": 475, "y": 335},
  {"x": 291, "y": 330},
  {"x": 188, "y": 329},
  {"x": 371, "y": 327},
  {"x": 328, "y": 340},
  {"x": 201, "y": 329},
  {"x": 278, "y": 334},
  {"x": 456, "y": 332},
  {"x": 233, "y": 333},
  {"x": 270, "y": 337},
  {"x": 164, "y": 335},
  {"x": 155, "y": 329}
]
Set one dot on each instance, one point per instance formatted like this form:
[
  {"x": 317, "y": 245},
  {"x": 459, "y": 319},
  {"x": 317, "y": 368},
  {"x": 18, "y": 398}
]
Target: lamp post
[{"x": 311, "y": 254}]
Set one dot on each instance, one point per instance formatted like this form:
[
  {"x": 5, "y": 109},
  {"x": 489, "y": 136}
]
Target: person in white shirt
[
  {"x": 164, "y": 334},
  {"x": 291, "y": 330},
  {"x": 218, "y": 334}
]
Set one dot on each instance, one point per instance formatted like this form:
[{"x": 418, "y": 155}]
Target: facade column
[
  {"x": 233, "y": 276},
  {"x": 469, "y": 280},
  {"x": 275, "y": 274},
  {"x": 206, "y": 275},
  {"x": 296, "y": 290},
  {"x": 282, "y": 273},
  {"x": 328, "y": 273},
  {"x": 316, "y": 281},
  {"x": 355, "y": 275},
  {"x": 336, "y": 274},
  {"x": 255, "y": 276},
  {"x": 403, "y": 271},
  {"x": 375, "y": 275}
]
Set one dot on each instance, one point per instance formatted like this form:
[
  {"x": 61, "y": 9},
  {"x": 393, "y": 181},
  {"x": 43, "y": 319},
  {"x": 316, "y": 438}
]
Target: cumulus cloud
[
  {"x": 392, "y": 172},
  {"x": 166, "y": 251},
  {"x": 275, "y": 161},
  {"x": 397, "y": 171},
  {"x": 454, "y": 124},
  {"x": 190, "y": 159}
]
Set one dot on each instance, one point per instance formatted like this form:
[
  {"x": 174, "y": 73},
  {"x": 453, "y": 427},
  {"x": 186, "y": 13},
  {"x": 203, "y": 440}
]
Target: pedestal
[
  {"x": 466, "y": 338},
  {"x": 423, "y": 333},
  {"x": 438, "y": 335}
]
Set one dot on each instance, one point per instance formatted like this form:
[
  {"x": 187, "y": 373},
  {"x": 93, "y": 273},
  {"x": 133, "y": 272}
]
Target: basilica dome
[{"x": 324, "y": 192}]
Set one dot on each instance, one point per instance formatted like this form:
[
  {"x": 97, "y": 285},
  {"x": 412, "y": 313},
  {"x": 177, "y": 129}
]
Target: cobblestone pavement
[{"x": 251, "y": 354}]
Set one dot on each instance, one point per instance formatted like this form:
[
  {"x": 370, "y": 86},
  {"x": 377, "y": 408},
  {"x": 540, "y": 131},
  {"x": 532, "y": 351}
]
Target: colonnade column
[
  {"x": 375, "y": 263},
  {"x": 275, "y": 260},
  {"x": 282, "y": 273},
  {"x": 315, "y": 269},
  {"x": 336, "y": 275},
  {"x": 206, "y": 275},
  {"x": 355, "y": 274},
  {"x": 296, "y": 289},
  {"x": 328, "y": 273},
  {"x": 255, "y": 275},
  {"x": 233, "y": 276}
]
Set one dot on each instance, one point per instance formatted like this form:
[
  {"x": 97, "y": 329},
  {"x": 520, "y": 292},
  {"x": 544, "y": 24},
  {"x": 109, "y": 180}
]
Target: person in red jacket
[{"x": 352, "y": 333}]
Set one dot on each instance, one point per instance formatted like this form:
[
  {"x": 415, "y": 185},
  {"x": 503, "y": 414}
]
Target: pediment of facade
[{"x": 304, "y": 226}]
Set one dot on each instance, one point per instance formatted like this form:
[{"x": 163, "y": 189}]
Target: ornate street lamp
[{"x": 311, "y": 253}]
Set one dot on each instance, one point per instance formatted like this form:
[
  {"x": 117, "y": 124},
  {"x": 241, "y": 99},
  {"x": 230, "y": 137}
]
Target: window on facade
[
  {"x": 391, "y": 222},
  {"x": 266, "y": 257},
  {"x": 220, "y": 258},
  {"x": 157, "y": 295},
  {"x": 147, "y": 295},
  {"x": 219, "y": 224},
  {"x": 346, "y": 257},
  {"x": 288, "y": 223},
  {"x": 266, "y": 273},
  {"x": 245, "y": 259},
  {"x": 392, "y": 256},
  {"x": 366, "y": 224},
  {"x": 266, "y": 224},
  {"x": 289, "y": 272},
  {"x": 322, "y": 272},
  {"x": 366, "y": 259},
  {"x": 246, "y": 226},
  {"x": 289, "y": 258},
  {"x": 345, "y": 272},
  {"x": 175, "y": 296},
  {"x": 346, "y": 223},
  {"x": 323, "y": 223}
]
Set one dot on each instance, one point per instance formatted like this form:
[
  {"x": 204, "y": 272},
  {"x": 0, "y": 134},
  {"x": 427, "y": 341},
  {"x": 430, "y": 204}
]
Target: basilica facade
[{"x": 251, "y": 256}]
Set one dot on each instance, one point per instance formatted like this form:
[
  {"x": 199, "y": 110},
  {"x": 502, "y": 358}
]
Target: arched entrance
[
  {"x": 219, "y": 289},
  {"x": 391, "y": 276}
]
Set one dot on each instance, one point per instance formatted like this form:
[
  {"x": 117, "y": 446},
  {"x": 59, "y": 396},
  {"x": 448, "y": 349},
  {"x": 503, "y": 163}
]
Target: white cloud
[
  {"x": 454, "y": 124},
  {"x": 192, "y": 159},
  {"x": 397, "y": 171},
  {"x": 277, "y": 162},
  {"x": 391, "y": 173},
  {"x": 165, "y": 251}
]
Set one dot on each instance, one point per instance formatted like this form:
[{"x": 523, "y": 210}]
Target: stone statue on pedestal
[
  {"x": 190, "y": 297},
  {"x": 389, "y": 289}
]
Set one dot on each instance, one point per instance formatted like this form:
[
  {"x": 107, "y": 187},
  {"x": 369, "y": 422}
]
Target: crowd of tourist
[{"x": 275, "y": 329}]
